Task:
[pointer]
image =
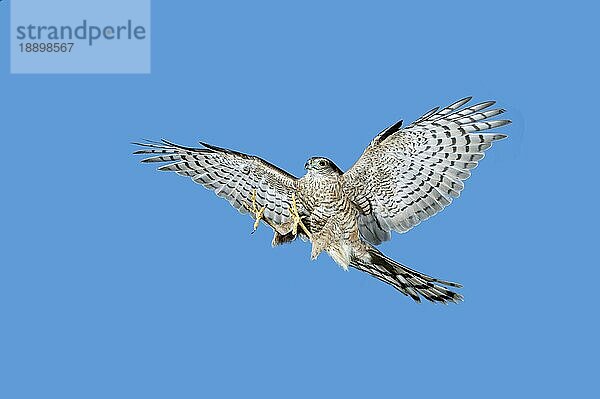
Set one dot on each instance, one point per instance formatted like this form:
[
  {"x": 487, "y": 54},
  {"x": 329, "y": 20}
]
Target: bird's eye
[{"x": 322, "y": 163}]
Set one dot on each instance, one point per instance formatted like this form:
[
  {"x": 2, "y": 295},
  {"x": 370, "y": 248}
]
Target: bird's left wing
[
  {"x": 237, "y": 177},
  {"x": 408, "y": 174}
]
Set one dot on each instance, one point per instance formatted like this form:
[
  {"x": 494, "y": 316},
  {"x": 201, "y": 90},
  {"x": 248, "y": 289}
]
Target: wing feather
[
  {"x": 407, "y": 175},
  {"x": 232, "y": 175}
]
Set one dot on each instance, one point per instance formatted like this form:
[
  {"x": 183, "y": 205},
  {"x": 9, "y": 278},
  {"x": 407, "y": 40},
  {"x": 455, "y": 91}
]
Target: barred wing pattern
[
  {"x": 407, "y": 175},
  {"x": 230, "y": 174}
]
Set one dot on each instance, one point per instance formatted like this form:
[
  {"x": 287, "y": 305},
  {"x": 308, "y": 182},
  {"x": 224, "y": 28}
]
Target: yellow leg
[
  {"x": 256, "y": 212},
  {"x": 297, "y": 220}
]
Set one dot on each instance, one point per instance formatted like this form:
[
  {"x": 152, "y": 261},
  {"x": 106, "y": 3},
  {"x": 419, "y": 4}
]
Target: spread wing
[
  {"x": 407, "y": 175},
  {"x": 230, "y": 174}
]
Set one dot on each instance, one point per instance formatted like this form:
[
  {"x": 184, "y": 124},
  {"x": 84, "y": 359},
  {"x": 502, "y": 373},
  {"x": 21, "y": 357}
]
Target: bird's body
[
  {"x": 331, "y": 215},
  {"x": 404, "y": 176}
]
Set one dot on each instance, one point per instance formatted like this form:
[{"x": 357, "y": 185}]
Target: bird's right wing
[{"x": 232, "y": 175}]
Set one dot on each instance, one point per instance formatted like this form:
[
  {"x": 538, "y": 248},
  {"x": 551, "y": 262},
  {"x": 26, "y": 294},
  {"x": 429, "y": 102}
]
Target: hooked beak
[{"x": 306, "y": 165}]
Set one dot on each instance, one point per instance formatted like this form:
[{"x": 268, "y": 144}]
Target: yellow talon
[
  {"x": 296, "y": 219},
  {"x": 259, "y": 216},
  {"x": 258, "y": 213}
]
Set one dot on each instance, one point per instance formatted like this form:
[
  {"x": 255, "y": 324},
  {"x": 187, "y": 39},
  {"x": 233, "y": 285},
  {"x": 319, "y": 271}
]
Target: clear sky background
[{"x": 118, "y": 281}]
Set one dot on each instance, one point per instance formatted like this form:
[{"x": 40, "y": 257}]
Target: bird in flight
[{"x": 404, "y": 176}]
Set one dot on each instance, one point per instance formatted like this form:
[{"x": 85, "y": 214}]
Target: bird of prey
[{"x": 405, "y": 175}]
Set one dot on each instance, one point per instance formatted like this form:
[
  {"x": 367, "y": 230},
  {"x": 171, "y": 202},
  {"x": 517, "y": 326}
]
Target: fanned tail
[{"x": 406, "y": 280}]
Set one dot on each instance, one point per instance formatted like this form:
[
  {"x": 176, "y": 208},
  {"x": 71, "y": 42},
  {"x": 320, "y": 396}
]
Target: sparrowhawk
[{"x": 405, "y": 175}]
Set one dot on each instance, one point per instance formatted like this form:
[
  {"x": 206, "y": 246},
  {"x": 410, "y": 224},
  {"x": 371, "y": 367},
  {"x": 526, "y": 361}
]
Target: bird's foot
[
  {"x": 296, "y": 219},
  {"x": 257, "y": 213}
]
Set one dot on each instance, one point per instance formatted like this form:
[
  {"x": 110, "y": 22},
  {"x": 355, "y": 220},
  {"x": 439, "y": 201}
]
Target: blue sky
[{"x": 119, "y": 281}]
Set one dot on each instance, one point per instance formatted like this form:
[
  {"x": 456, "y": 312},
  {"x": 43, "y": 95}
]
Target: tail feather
[{"x": 406, "y": 280}]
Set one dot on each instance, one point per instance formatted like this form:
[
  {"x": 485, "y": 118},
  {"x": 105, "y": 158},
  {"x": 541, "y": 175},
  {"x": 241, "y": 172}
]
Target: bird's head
[{"x": 322, "y": 166}]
